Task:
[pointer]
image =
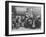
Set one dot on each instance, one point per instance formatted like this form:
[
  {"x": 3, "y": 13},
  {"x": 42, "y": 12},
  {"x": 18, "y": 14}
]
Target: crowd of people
[{"x": 28, "y": 21}]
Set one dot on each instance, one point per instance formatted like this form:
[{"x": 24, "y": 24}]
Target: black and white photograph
[{"x": 25, "y": 18}]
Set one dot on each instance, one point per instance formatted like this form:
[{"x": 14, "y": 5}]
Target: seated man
[
  {"x": 28, "y": 23},
  {"x": 38, "y": 22}
]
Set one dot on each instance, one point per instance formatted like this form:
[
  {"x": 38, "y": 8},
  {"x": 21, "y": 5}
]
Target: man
[{"x": 38, "y": 21}]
